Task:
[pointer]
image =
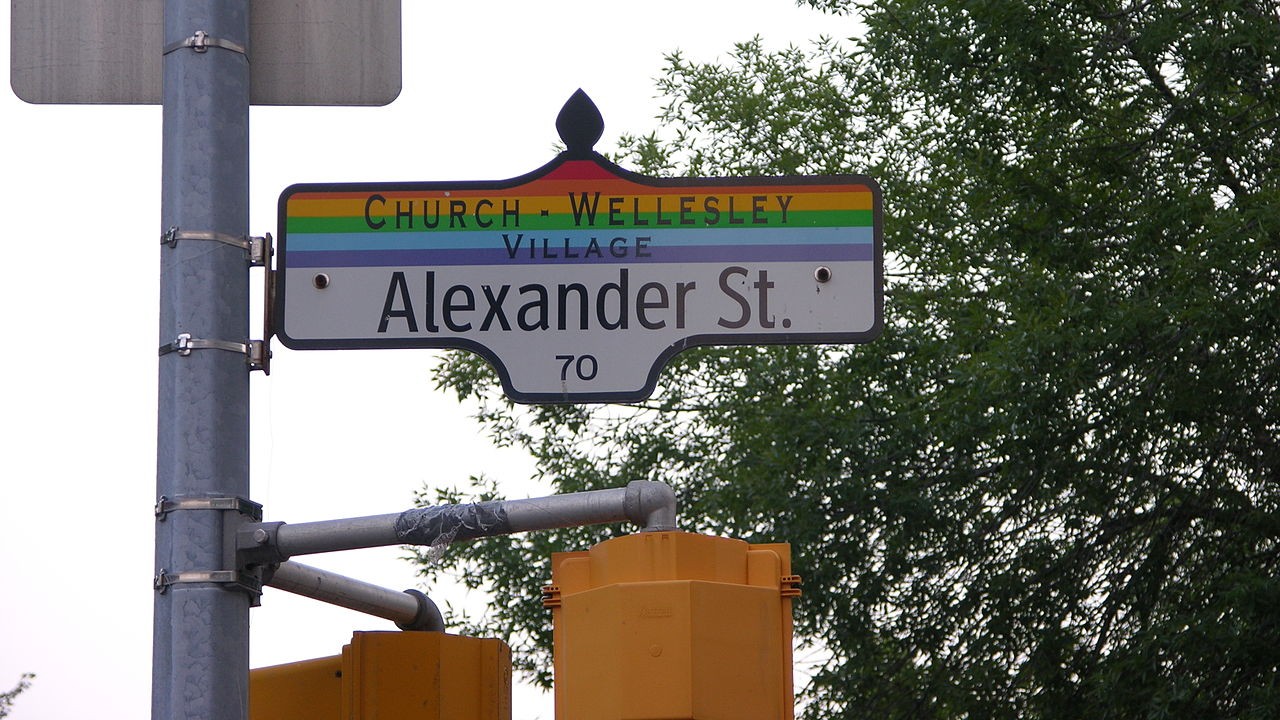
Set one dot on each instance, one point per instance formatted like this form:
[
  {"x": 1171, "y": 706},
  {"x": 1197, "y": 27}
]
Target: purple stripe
[{"x": 499, "y": 256}]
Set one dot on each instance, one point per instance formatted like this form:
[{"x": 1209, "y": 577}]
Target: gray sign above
[{"x": 319, "y": 52}]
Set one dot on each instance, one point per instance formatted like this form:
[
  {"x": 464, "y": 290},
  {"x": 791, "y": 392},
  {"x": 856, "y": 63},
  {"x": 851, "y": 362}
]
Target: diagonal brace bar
[{"x": 409, "y": 610}]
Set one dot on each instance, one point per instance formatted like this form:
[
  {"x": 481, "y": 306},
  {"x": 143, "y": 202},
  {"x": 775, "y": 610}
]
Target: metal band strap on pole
[
  {"x": 248, "y": 508},
  {"x": 184, "y": 344},
  {"x": 257, "y": 247},
  {"x": 254, "y": 351},
  {"x": 201, "y": 42},
  {"x": 246, "y": 582}
]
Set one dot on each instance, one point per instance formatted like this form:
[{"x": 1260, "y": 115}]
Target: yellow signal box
[
  {"x": 306, "y": 689},
  {"x": 673, "y": 626},
  {"x": 385, "y": 675}
]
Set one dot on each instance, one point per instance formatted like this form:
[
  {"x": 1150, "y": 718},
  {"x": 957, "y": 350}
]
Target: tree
[
  {"x": 7, "y": 698},
  {"x": 1050, "y": 488}
]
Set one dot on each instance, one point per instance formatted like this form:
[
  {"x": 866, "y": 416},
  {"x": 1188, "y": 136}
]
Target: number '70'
[{"x": 584, "y": 366}]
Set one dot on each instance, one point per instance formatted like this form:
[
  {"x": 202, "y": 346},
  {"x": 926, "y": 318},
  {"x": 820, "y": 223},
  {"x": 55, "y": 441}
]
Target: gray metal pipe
[
  {"x": 652, "y": 505},
  {"x": 331, "y": 535},
  {"x": 410, "y": 610},
  {"x": 590, "y": 507},
  {"x": 649, "y": 504}
]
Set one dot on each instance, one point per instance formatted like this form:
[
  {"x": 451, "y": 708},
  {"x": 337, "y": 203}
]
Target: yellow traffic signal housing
[
  {"x": 673, "y": 626},
  {"x": 306, "y": 689},
  {"x": 385, "y": 675}
]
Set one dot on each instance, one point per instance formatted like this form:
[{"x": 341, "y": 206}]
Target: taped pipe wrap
[{"x": 448, "y": 523}]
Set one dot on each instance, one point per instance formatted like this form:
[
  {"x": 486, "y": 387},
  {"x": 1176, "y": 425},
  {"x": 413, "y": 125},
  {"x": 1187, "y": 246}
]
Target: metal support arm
[
  {"x": 652, "y": 505},
  {"x": 410, "y": 610}
]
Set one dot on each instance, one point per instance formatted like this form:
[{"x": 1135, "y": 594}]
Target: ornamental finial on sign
[{"x": 580, "y": 124}]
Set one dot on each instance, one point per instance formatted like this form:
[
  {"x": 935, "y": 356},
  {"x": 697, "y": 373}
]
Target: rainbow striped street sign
[{"x": 579, "y": 280}]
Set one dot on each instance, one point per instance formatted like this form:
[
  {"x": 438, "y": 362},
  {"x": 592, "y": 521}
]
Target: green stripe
[{"x": 534, "y": 222}]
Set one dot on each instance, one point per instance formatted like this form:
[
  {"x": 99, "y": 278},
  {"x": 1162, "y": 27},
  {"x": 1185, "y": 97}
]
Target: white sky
[{"x": 334, "y": 434}]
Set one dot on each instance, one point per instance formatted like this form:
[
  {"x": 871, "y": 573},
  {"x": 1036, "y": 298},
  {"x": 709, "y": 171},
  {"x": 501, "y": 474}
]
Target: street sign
[
  {"x": 580, "y": 279},
  {"x": 318, "y": 52}
]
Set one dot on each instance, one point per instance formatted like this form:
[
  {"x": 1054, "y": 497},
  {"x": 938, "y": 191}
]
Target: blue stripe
[{"x": 555, "y": 255}]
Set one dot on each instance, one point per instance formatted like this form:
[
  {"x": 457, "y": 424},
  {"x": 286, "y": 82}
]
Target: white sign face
[{"x": 578, "y": 281}]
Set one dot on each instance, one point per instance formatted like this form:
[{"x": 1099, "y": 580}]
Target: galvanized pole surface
[{"x": 201, "y": 632}]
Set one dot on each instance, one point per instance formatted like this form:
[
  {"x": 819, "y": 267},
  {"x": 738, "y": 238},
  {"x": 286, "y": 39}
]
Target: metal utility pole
[
  {"x": 320, "y": 52},
  {"x": 201, "y": 631}
]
